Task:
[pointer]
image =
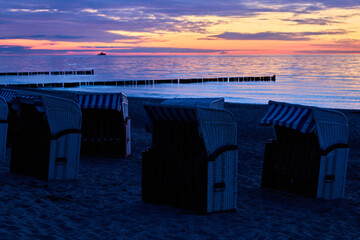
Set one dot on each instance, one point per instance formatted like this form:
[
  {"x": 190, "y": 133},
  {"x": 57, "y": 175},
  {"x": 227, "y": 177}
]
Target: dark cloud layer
[
  {"x": 283, "y": 36},
  {"x": 328, "y": 52},
  {"x": 184, "y": 7},
  {"x": 47, "y": 37},
  {"x": 314, "y": 21},
  {"x": 91, "y": 20},
  {"x": 7, "y": 49}
]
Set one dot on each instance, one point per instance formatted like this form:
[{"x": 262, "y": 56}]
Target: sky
[{"x": 179, "y": 27}]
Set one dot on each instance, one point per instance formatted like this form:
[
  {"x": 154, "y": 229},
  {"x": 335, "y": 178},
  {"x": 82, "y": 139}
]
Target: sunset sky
[{"x": 164, "y": 27}]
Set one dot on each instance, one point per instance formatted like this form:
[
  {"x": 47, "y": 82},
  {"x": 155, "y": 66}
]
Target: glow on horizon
[{"x": 327, "y": 31}]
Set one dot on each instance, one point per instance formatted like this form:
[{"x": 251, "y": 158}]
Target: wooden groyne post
[
  {"x": 81, "y": 72},
  {"x": 141, "y": 82}
]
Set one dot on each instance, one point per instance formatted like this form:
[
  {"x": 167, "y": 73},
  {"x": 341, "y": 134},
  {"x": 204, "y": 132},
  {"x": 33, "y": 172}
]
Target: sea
[{"x": 331, "y": 81}]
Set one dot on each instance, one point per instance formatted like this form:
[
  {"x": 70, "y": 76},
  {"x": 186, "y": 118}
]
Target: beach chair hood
[
  {"x": 330, "y": 126},
  {"x": 100, "y": 101},
  {"x": 63, "y": 115},
  {"x": 8, "y": 96},
  {"x": 209, "y": 121}
]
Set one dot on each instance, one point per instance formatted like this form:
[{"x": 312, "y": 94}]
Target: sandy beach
[{"x": 105, "y": 203}]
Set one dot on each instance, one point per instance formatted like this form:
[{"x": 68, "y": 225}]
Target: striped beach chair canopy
[
  {"x": 197, "y": 102},
  {"x": 100, "y": 101},
  {"x": 330, "y": 126},
  {"x": 13, "y": 95},
  {"x": 158, "y": 112},
  {"x": 30, "y": 99},
  {"x": 9, "y": 96},
  {"x": 290, "y": 115},
  {"x": 178, "y": 109}
]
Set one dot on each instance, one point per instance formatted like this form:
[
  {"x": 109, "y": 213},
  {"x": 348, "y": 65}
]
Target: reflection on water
[{"x": 327, "y": 81}]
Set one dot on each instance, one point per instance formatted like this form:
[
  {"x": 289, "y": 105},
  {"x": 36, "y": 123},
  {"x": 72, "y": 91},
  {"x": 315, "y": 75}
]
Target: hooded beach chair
[
  {"x": 106, "y": 123},
  {"x": 3, "y": 128},
  {"x": 105, "y": 120},
  {"x": 47, "y": 136},
  {"x": 192, "y": 162},
  {"x": 309, "y": 156}
]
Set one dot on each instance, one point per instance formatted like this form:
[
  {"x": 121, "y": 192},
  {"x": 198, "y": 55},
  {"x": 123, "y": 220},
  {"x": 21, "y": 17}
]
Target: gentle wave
[{"x": 322, "y": 80}]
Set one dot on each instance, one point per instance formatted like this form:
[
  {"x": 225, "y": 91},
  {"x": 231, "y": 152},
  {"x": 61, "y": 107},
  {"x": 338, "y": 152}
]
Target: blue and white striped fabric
[
  {"x": 291, "y": 116},
  {"x": 7, "y": 95},
  {"x": 170, "y": 114},
  {"x": 100, "y": 101},
  {"x": 36, "y": 100}
]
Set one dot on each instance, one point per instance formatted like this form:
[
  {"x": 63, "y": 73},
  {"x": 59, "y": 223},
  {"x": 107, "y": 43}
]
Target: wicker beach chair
[
  {"x": 3, "y": 128},
  {"x": 47, "y": 137},
  {"x": 192, "y": 162},
  {"x": 106, "y": 125},
  {"x": 309, "y": 156}
]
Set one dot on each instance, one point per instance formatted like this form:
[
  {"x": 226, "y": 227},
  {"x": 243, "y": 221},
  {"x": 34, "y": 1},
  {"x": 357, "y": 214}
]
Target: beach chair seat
[
  {"x": 47, "y": 137},
  {"x": 192, "y": 163},
  {"x": 310, "y": 152}
]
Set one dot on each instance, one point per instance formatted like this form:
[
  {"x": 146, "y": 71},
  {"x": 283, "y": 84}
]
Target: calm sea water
[{"x": 320, "y": 80}]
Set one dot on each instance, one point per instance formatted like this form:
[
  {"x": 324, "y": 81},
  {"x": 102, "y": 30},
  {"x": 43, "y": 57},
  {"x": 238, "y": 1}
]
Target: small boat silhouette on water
[{"x": 102, "y": 53}]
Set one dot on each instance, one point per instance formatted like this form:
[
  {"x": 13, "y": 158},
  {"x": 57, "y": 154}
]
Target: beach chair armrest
[
  {"x": 126, "y": 119},
  {"x": 221, "y": 150},
  {"x": 333, "y": 147},
  {"x": 65, "y": 132}
]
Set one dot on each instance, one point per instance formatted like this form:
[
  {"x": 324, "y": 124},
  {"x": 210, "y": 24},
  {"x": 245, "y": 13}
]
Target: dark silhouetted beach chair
[
  {"x": 47, "y": 136},
  {"x": 3, "y": 128},
  {"x": 309, "y": 156},
  {"x": 106, "y": 125},
  {"x": 192, "y": 162}
]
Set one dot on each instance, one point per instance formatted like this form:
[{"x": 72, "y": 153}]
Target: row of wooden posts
[
  {"x": 123, "y": 82},
  {"x": 82, "y": 72}
]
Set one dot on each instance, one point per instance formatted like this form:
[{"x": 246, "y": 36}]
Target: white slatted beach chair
[
  {"x": 309, "y": 156},
  {"x": 106, "y": 123},
  {"x": 3, "y": 128},
  {"x": 48, "y": 137},
  {"x": 192, "y": 162}
]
